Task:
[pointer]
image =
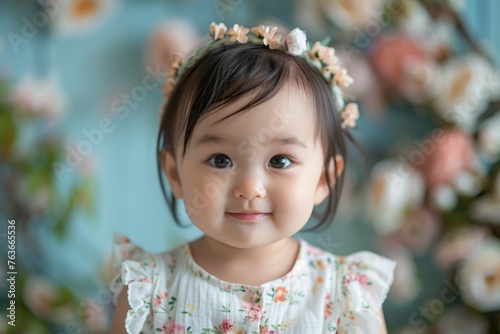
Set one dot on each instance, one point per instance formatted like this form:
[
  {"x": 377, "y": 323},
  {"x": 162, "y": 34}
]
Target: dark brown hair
[{"x": 227, "y": 73}]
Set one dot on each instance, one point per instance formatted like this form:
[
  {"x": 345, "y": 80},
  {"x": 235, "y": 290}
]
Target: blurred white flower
[
  {"x": 174, "y": 36},
  {"x": 468, "y": 83},
  {"x": 39, "y": 96},
  {"x": 443, "y": 197},
  {"x": 406, "y": 285},
  {"x": 422, "y": 79},
  {"x": 489, "y": 137},
  {"x": 459, "y": 320},
  {"x": 393, "y": 191},
  {"x": 479, "y": 277},
  {"x": 414, "y": 19},
  {"x": 457, "y": 245},
  {"x": 467, "y": 183},
  {"x": 366, "y": 83},
  {"x": 78, "y": 16},
  {"x": 349, "y": 14},
  {"x": 433, "y": 35}
]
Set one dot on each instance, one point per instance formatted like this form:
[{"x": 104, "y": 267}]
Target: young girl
[{"x": 251, "y": 140}]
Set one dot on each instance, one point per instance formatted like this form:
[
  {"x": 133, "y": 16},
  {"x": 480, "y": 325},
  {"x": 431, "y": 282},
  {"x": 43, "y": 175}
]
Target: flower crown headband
[{"x": 319, "y": 56}]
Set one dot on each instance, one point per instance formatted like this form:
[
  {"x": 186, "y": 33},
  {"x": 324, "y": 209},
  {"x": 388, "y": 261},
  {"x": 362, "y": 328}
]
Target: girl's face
[{"x": 263, "y": 160}]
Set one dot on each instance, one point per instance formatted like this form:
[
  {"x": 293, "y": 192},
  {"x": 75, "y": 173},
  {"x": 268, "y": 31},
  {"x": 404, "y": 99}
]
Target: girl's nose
[{"x": 249, "y": 187}]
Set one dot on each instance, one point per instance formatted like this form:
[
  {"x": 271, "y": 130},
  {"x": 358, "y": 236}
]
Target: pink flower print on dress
[
  {"x": 265, "y": 330},
  {"x": 363, "y": 279},
  {"x": 159, "y": 297},
  {"x": 144, "y": 279},
  {"x": 315, "y": 251},
  {"x": 170, "y": 327},
  {"x": 254, "y": 312},
  {"x": 252, "y": 297},
  {"x": 226, "y": 326}
]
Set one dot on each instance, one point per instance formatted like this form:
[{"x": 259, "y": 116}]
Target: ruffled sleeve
[
  {"x": 364, "y": 281},
  {"x": 133, "y": 266}
]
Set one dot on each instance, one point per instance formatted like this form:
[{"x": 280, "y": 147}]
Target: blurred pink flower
[
  {"x": 42, "y": 298},
  {"x": 479, "y": 277},
  {"x": 172, "y": 37},
  {"x": 39, "y": 96},
  {"x": 405, "y": 67},
  {"x": 365, "y": 85},
  {"x": 457, "y": 245},
  {"x": 390, "y": 55},
  {"x": 452, "y": 152}
]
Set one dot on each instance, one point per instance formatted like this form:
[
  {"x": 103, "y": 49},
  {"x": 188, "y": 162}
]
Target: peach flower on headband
[
  {"x": 217, "y": 31},
  {"x": 238, "y": 33},
  {"x": 271, "y": 39}
]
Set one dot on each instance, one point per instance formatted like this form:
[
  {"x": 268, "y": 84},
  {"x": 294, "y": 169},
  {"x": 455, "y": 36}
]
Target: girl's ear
[
  {"x": 169, "y": 166},
  {"x": 322, "y": 188}
]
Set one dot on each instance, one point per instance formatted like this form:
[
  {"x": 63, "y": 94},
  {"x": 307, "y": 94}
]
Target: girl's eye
[
  {"x": 280, "y": 162},
  {"x": 220, "y": 161}
]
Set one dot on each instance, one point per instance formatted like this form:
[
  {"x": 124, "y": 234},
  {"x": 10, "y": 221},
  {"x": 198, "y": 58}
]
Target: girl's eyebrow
[{"x": 208, "y": 139}]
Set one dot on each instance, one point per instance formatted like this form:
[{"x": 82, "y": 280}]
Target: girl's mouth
[{"x": 249, "y": 216}]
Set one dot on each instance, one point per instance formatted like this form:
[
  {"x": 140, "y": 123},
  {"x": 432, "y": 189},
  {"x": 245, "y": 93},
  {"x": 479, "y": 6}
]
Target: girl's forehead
[
  {"x": 287, "y": 114},
  {"x": 286, "y": 105}
]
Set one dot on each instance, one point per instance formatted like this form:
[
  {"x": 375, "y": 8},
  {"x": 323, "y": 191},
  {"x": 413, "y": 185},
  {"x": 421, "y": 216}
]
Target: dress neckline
[{"x": 199, "y": 271}]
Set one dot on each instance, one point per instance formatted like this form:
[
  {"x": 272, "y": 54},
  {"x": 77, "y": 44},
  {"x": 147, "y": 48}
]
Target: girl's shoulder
[
  {"x": 358, "y": 284},
  {"x": 134, "y": 266}
]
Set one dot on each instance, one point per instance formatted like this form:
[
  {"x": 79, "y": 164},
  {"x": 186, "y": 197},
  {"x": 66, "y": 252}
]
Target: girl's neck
[{"x": 245, "y": 266}]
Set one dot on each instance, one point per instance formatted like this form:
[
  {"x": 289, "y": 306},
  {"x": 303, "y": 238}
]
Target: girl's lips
[{"x": 249, "y": 216}]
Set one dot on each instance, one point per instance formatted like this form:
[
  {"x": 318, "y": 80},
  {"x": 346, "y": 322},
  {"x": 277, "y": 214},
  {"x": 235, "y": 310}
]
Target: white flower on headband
[
  {"x": 217, "y": 31},
  {"x": 296, "y": 42},
  {"x": 238, "y": 33},
  {"x": 349, "y": 115},
  {"x": 271, "y": 39}
]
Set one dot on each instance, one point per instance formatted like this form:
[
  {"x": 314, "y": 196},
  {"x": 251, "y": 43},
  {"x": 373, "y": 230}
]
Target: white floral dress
[{"x": 323, "y": 293}]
